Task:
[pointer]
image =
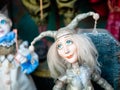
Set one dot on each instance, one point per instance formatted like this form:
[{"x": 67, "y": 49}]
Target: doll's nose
[{"x": 66, "y": 50}]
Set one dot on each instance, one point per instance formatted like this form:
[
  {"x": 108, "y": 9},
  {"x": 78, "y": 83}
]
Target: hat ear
[
  {"x": 80, "y": 17},
  {"x": 42, "y": 35}
]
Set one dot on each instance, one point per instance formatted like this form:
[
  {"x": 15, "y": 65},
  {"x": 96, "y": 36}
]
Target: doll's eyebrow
[
  {"x": 68, "y": 37},
  {"x": 64, "y": 37}
]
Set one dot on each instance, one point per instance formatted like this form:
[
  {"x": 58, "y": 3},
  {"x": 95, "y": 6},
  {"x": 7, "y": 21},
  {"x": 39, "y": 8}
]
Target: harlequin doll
[
  {"x": 72, "y": 58},
  {"x": 113, "y": 22},
  {"x": 16, "y": 62}
]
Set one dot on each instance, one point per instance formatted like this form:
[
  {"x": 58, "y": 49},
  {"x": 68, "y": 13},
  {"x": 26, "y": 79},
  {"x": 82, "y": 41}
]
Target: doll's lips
[{"x": 70, "y": 56}]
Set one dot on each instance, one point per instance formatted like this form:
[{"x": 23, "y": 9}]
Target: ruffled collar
[{"x": 8, "y": 39}]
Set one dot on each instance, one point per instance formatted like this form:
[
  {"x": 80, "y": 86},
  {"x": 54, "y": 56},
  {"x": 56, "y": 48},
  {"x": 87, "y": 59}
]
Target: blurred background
[{"x": 31, "y": 17}]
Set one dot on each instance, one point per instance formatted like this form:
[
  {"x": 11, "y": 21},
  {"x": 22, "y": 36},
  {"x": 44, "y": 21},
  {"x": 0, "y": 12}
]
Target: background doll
[
  {"x": 16, "y": 62},
  {"x": 113, "y": 22},
  {"x": 72, "y": 58}
]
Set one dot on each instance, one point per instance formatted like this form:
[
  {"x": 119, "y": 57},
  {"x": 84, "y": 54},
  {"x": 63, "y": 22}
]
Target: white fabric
[{"x": 11, "y": 77}]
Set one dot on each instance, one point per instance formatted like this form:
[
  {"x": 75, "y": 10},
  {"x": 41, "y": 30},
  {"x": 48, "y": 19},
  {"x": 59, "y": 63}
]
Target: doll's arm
[
  {"x": 101, "y": 81},
  {"x": 28, "y": 60},
  {"x": 110, "y": 6},
  {"x": 89, "y": 86},
  {"x": 59, "y": 84}
]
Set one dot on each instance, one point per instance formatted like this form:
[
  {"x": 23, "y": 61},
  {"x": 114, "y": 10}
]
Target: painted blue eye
[
  {"x": 69, "y": 42},
  {"x": 59, "y": 46},
  {"x": 3, "y": 21}
]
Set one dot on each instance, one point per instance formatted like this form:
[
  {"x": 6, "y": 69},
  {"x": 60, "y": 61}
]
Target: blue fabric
[
  {"x": 30, "y": 65},
  {"x": 8, "y": 37},
  {"x": 109, "y": 51}
]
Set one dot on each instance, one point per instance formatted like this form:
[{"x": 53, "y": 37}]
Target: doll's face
[
  {"x": 67, "y": 49},
  {"x": 4, "y": 26}
]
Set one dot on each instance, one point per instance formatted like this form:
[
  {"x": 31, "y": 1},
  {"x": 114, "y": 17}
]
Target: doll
[
  {"x": 72, "y": 58},
  {"x": 113, "y": 22},
  {"x": 16, "y": 62}
]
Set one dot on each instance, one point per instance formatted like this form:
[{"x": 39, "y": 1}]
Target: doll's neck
[{"x": 75, "y": 65}]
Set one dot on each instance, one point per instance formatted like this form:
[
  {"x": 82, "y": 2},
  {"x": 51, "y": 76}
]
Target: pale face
[
  {"x": 67, "y": 49},
  {"x": 4, "y": 26}
]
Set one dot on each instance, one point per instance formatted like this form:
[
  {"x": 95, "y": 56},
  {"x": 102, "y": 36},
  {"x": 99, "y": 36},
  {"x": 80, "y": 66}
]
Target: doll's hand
[
  {"x": 28, "y": 61},
  {"x": 58, "y": 85},
  {"x": 22, "y": 52},
  {"x": 20, "y": 58},
  {"x": 30, "y": 65},
  {"x": 56, "y": 88}
]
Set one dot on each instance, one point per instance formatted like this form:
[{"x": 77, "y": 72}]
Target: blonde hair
[
  {"x": 87, "y": 54},
  {"x": 55, "y": 62}
]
